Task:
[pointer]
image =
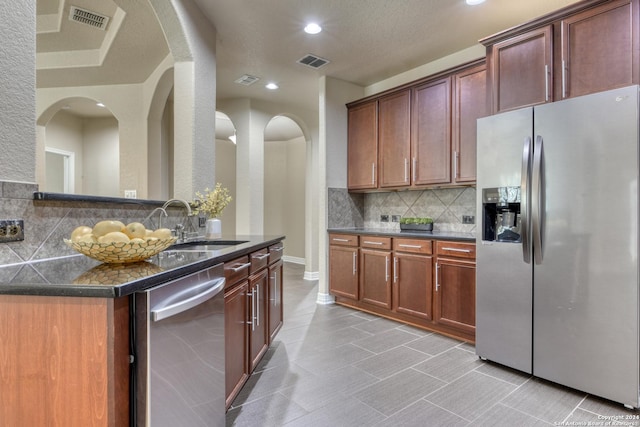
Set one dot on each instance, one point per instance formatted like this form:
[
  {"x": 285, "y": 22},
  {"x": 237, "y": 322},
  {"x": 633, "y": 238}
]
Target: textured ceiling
[{"x": 366, "y": 41}]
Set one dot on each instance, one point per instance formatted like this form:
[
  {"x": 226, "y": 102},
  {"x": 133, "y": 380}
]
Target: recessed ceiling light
[
  {"x": 312, "y": 28},
  {"x": 474, "y": 2},
  {"x": 100, "y": 104},
  {"x": 271, "y": 86}
]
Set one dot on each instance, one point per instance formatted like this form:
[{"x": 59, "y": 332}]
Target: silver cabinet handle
[
  {"x": 170, "y": 308},
  {"x": 372, "y": 243},
  {"x": 455, "y": 165},
  {"x": 278, "y": 249},
  {"x": 258, "y": 306},
  {"x": 355, "y": 259},
  {"x": 253, "y": 309},
  {"x": 239, "y": 267},
  {"x": 466, "y": 251},
  {"x": 402, "y": 245},
  {"x": 413, "y": 169},
  {"x": 386, "y": 268},
  {"x": 546, "y": 83},
  {"x": 259, "y": 257},
  {"x": 275, "y": 284},
  {"x": 437, "y": 276},
  {"x": 373, "y": 174},
  {"x": 335, "y": 239},
  {"x": 395, "y": 269},
  {"x": 564, "y": 79},
  {"x": 406, "y": 169}
]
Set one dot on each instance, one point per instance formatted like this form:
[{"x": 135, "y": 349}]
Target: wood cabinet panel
[
  {"x": 275, "y": 299},
  {"x": 343, "y": 271},
  {"x": 417, "y": 246},
  {"x": 259, "y": 260},
  {"x": 431, "y": 133},
  {"x": 258, "y": 334},
  {"x": 394, "y": 145},
  {"x": 362, "y": 150},
  {"x": 343, "y": 239},
  {"x": 456, "y": 249},
  {"x": 236, "y": 270},
  {"x": 599, "y": 48},
  {"x": 375, "y": 242},
  {"x": 413, "y": 285},
  {"x": 522, "y": 70},
  {"x": 470, "y": 103},
  {"x": 236, "y": 340},
  {"x": 456, "y": 294},
  {"x": 375, "y": 277}
]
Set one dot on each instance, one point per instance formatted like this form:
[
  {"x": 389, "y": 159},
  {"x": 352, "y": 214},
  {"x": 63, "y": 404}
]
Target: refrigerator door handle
[
  {"x": 525, "y": 183},
  {"x": 537, "y": 199}
]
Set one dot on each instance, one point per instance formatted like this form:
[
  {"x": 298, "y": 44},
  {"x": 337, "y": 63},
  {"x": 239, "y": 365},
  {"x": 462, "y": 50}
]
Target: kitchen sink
[{"x": 204, "y": 245}]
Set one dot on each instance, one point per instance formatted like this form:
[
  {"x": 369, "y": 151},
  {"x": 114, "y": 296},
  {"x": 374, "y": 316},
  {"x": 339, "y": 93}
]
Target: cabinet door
[
  {"x": 375, "y": 279},
  {"x": 470, "y": 103},
  {"x": 258, "y": 335},
  {"x": 600, "y": 48},
  {"x": 455, "y": 294},
  {"x": 431, "y": 133},
  {"x": 236, "y": 340},
  {"x": 521, "y": 70},
  {"x": 343, "y": 271},
  {"x": 275, "y": 299},
  {"x": 413, "y": 285},
  {"x": 394, "y": 128},
  {"x": 362, "y": 146}
]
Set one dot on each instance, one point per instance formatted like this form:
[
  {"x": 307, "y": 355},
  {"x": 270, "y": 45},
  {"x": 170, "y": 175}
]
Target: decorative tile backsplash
[{"x": 446, "y": 206}]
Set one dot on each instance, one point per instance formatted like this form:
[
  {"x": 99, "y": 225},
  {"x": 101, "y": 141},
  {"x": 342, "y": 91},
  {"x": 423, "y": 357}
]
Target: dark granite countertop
[
  {"x": 78, "y": 275},
  {"x": 436, "y": 235}
]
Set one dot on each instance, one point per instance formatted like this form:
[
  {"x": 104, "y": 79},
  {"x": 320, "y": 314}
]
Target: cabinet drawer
[
  {"x": 416, "y": 246},
  {"x": 456, "y": 249},
  {"x": 236, "y": 270},
  {"x": 374, "y": 242},
  {"x": 343, "y": 239},
  {"x": 275, "y": 252},
  {"x": 259, "y": 260}
]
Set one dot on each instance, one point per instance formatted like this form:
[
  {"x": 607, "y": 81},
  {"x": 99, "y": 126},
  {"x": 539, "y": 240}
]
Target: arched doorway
[
  {"x": 285, "y": 160},
  {"x": 226, "y": 168}
]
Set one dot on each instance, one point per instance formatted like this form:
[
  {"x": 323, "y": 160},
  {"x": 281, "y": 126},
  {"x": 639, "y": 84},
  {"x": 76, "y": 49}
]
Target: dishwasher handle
[{"x": 212, "y": 288}]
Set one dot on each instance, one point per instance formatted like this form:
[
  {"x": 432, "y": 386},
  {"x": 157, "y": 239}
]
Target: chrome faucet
[
  {"x": 161, "y": 210},
  {"x": 179, "y": 230},
  {"x": 183, "y": 202}
]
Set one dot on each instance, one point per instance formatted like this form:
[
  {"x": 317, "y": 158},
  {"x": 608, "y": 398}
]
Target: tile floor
[{"x": 333, "y": 366}]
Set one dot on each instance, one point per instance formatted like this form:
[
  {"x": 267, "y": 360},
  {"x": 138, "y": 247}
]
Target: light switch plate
[
  {"x": 468, "y": 219},
  {"x": 384, "y": 218}
]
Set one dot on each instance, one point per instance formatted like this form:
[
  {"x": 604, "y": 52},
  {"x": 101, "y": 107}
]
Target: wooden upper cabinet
[
  {"x": 599, "y": 49},
  {"x": 362, "y": 152},
  {"x": 394, "y": 118},
  {"x": 521, "y": 70},
  {"x": 431, "y": 133},
  {"x": 470, "y": 103}
]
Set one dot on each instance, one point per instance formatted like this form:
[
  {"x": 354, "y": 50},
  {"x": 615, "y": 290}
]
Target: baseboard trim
[
  {"x": 325, "y": 299},
  {"x": 293, "y": 259}
]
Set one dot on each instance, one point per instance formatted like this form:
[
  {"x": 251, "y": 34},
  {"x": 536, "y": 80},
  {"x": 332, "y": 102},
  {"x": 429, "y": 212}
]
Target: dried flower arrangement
[{"x": 213, "y": 202}]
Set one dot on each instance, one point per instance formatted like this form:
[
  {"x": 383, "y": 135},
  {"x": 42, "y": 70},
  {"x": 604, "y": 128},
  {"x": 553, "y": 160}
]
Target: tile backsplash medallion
[{"x": 445, "y": 205}]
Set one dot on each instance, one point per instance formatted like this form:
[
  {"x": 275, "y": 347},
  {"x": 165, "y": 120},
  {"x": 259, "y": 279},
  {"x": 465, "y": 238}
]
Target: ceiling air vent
[
  {"x": 313, "y": 61},
  {"x": 247, "y": 80},
  {"x": 88, "y": 18}
]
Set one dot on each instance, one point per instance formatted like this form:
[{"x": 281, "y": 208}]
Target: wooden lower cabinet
[
  {"x": 275, "y": 299},
  {"x": 403, "y": 279},
  {"x": 258, "y": 334},
  {"x": 343, "y": 259},
  {"x": 236, "y": 339},
  {"x": 412, "y": 285}
]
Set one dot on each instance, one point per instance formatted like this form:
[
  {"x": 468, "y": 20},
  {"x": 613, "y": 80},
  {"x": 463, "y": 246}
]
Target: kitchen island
[{"x": 66, "y": 347}]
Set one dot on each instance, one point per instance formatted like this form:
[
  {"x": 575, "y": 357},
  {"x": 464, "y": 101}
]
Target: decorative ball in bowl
[{"x": 113, "y": 242}]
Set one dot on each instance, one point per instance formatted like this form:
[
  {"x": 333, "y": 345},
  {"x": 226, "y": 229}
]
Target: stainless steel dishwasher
[{"x": 179, "y": 341}]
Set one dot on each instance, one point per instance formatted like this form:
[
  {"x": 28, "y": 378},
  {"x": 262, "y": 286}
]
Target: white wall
[
  {"x": 64, "y": 132},
  {"x": 102, "y": 157},
  {"x": 284, "y": 193},
  {"x": 226, "y": 175},
  {"x": 17, "y": 102}
]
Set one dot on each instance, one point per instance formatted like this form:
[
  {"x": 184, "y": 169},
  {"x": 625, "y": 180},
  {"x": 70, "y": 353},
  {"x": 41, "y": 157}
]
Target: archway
[
  {"x": 83, "y": 134},
  {"x": 226, "y": 168},
  {"x": 285, "y": 171}
]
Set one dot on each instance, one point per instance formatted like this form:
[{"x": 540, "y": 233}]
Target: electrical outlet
[
  {"x": 395, "y": 218},
  {"x": 468, "y": 219},
  {"x": 202, "y": 221},
  {"x": 130, "y": 194},
  {"x": 384, "y": 218},
  {"x": 11, "y": 230}
]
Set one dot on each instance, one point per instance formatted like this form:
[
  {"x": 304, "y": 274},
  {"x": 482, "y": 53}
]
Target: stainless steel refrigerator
[{"x": 557, "y": 242}]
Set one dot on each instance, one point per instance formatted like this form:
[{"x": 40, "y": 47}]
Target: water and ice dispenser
[{"x": 501, "y": 214}]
